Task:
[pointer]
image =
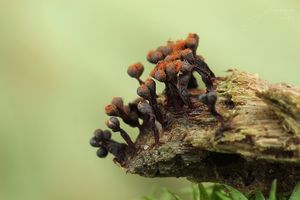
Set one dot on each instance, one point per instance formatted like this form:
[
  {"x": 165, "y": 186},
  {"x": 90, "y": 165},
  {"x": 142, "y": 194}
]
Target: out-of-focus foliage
[
  {"x": 61, "y": 61},
  {"x": 222, "y": 192}
]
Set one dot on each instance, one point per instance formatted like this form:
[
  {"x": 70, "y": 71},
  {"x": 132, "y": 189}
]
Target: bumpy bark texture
[{"x": 259, "y": 143}]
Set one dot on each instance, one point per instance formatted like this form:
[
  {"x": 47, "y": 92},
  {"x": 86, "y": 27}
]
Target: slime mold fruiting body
[{"x": 175, "y": 65}]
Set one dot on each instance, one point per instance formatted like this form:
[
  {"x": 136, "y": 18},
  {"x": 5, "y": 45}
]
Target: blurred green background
[{"x": 61, "y": 61}]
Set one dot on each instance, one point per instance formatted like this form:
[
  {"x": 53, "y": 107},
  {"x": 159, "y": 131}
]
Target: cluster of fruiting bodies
[{"x": 174, "y": 66}]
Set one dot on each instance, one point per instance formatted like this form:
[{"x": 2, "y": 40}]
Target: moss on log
[{"x": 260, "y": 140}]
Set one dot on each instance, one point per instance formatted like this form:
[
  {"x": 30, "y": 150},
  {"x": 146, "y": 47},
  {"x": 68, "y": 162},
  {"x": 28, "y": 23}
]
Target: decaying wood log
[{"x": 261, "y": 140}]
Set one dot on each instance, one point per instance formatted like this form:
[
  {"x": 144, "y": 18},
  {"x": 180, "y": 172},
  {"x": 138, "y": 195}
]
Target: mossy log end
[{"x": 261, "y": 141}]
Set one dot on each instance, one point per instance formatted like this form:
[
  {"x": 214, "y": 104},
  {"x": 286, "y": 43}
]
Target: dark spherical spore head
[
  {"x": 145, "y": 108},
  {"x": 212, "y": 97},
  {"x": 137, "y": 100},
  {"x": 160, "y": 75},
  {"x": 203, "y": 98},
  {"x": 98, "y": 134},
  {"x": 113, "y": 123},
  {"x": 150, "y": 84},
  {"x": 165, "y": 50},
  {"x": 193, "y": 35},
  {"x": 111, "y": 110},
  {"x": 187, "y": 54},
  {"x": 171, "y": 70},
  {"x": 155, "y": 56},
  {"x": 186, "y": 67},
  {"x": 135, "y": 70},
  {"x": 118, "y": 102},
  {"x": 94, "y": 142},
  {"x": 209, "y": 98},
  {"x": 192, "y": 41},
  {"x": 143, "y": 91},
  {"x": 102, "y": 152},
  {"x": 106, "y": 134}
]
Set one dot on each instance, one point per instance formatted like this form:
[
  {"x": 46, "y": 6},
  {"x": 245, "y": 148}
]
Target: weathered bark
[{"x": 260, "y": 142}]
